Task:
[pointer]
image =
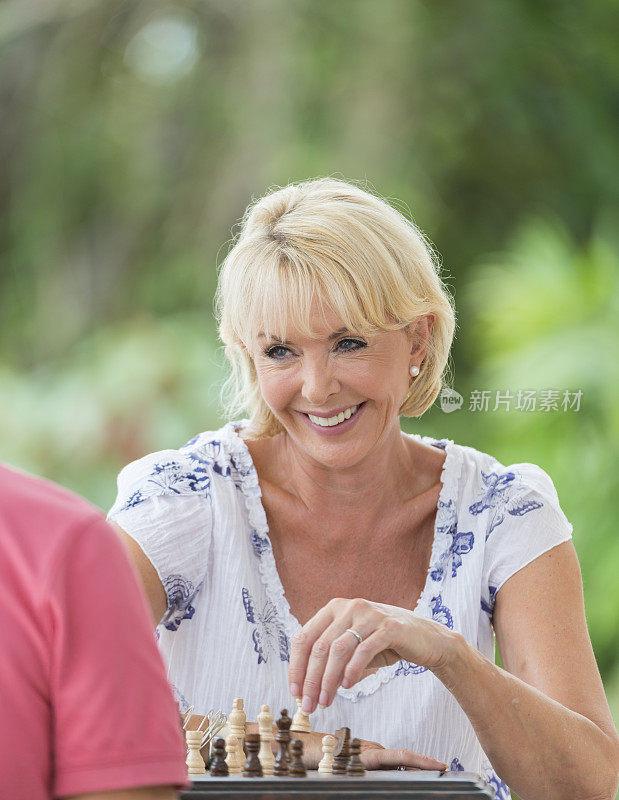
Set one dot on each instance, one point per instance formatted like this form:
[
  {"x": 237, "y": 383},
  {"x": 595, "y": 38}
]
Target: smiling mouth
[{"x": 333, "y": 422}]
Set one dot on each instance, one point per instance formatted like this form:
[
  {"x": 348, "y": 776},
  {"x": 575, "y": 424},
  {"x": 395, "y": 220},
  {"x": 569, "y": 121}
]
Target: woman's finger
[
  {"x": 392, "y": 759},
  {"x": 302, "y": 643},
  {"x": 342, "y": 649},
  {"x": 316, "y": 664},
  {"x": 327, "y": 660},
  {"x": 365, "y": 652}
]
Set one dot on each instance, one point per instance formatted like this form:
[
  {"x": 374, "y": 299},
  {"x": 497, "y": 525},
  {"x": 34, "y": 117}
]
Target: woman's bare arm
[
  {"x": 545, "y": 724},
  {"x": 543, "y": 721},
  {"x": 151, "y": 582}
]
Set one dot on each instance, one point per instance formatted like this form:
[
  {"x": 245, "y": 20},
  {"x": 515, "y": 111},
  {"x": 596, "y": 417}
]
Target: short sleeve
[
  {"x": 524, "y": 521},
  {"x": 115, "y": 722},
  {"x": 164, "y": 502}
]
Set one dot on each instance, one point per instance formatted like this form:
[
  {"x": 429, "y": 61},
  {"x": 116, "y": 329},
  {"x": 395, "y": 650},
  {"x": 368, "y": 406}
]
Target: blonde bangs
[{"x": 281, "y": 292}]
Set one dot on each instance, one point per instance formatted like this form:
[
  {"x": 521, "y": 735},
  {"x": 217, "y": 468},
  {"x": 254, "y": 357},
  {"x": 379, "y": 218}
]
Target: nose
[{"x": 319, "y": 381}]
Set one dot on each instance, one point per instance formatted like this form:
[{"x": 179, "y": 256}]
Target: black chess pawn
[
  {"x": 355, "y": 765},
  {"x": 218, "y": 767},
  {"x": 297, "y": 767},
  {"x": 282, "y": 737},
  {"x": 253, "y": 767},
  {"x": 340, "y": 762}
]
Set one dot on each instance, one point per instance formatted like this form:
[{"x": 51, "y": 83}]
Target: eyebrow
[{"x": 333, "y": 335}]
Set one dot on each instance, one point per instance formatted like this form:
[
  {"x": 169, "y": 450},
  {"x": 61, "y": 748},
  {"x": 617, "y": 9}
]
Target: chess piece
[
  {"x": 252, "y": 768},
  {"x": 194, "y": 761},
  {"x": 232, "y": 759},
  {"x": 237, "y": 719},
  {"x": 340, "y": 762},
  {"x": 219, "y": 768},
  {"x": 265, "y": 729},
  {"x": 300, "y": 721},
  {"x": 282, "y": 737},
  {"x": 355, "y": 765},
  {"x": 326, "y": 762},
  {"x": 296, "y": 768}
]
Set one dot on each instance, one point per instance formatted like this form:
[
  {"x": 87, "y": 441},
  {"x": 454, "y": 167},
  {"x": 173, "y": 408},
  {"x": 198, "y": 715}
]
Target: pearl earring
[{"x": 414, "y": 371}]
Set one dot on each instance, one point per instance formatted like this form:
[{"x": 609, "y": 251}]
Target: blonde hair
[{"x": 330, "y": 239}]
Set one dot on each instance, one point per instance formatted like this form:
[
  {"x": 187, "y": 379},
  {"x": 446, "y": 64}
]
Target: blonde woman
[{"x": 313, "y": 549}]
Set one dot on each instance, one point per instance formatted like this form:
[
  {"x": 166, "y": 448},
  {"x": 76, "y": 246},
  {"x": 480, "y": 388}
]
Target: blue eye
[
  {"x": 357, "y": 345},
  {"x": 270, "y": 352}
]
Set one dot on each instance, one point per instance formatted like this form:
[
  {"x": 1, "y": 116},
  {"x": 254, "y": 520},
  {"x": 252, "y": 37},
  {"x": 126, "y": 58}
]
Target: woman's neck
[{"x": 388, "y": 476}]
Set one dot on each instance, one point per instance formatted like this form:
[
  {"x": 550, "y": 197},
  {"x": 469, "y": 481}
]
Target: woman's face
[{"x": 363, "y": 379}]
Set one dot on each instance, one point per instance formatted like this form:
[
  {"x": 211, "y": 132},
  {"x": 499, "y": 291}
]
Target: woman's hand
[
  {"x": 325, "y": 654},
  {"x": 373, "y": 755}
]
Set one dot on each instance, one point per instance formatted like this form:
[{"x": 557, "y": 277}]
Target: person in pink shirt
[{"x": 85, "y": 707}]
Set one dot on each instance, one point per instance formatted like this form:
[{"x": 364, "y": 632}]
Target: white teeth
[{"x": 331, "y": 421}]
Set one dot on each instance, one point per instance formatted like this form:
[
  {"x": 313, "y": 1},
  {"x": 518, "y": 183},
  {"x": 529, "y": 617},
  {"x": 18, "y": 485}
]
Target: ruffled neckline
[{"x": 261, "y": 543}]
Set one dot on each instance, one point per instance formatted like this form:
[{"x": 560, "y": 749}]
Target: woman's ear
[{"x": 420, "y": 337}]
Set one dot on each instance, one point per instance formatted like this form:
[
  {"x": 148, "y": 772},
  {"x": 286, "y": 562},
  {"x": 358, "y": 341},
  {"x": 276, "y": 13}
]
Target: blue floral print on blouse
[
  {"x": 456, "y": 766},
  {"x": 407, "y": 668},
  {"x": 260, "y": 544},
  {"x": 134, "y": 499},
  {"x": 190, "y": 474},
  {"x": 174, "y": 477},
  {"x": 501, "y": 789},
  {"x": 441, "y": 613},
  {"x": 488, "y": 607},
  {"x": 268, "y": 635},
  {"x": 462, "y": 544},
  {"x": 180, "y": 592},
  {"x": 448, "y": 528},
  {"x": 499, "y": 497}
]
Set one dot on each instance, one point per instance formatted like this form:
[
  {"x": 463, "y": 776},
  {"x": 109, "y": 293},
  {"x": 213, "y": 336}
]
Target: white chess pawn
[
  {"x": 300, "y": 721},
  {"x": 326, "y": 762},
  {"x": 265, "y": 729},
  {"x": 233, "y": 745},
  {"x": 194, "y": 761}
]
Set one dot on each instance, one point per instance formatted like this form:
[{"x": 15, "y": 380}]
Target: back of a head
[{"x": 331, "y": 239}]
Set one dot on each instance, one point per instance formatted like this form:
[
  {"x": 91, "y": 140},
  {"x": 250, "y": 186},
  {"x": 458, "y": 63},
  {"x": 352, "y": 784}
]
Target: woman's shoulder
[
  {"x": 495, "y": 478},
  {"x": 188, "y": 470},
  {"x": 480, "y": 469},
  {"x": 477, "y": 484},
  {"x": 498, "y": 494}
]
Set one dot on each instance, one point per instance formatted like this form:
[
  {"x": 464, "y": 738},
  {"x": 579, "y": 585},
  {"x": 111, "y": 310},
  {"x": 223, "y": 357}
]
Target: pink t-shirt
[{"x": 85, "y": 705}]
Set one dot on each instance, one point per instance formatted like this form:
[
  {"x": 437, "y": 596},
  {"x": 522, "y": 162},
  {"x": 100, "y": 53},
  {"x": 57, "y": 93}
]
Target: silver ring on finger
[
  {"x": 401, "y": 768},
  {"x": 355, "y": 634}
]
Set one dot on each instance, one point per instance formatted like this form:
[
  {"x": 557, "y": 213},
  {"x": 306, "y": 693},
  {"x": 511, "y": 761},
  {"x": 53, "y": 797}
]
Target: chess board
[{"x": 386, "y": 785}]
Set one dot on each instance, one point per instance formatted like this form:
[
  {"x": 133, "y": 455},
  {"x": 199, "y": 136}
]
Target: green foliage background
[{"x": 135, "y": 133}]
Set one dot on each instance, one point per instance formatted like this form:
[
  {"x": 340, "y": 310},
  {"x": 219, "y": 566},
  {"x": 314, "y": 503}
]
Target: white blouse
[{"x": 197, "y": 514}]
